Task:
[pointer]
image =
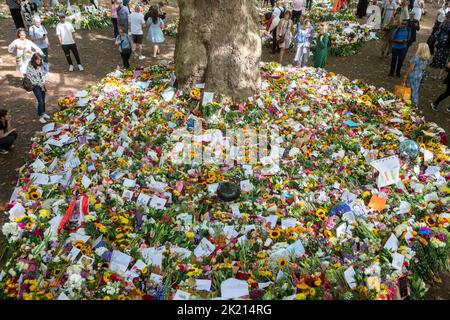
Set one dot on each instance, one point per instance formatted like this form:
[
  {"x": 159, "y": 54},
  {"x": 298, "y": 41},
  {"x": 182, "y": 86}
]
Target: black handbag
[{"x": 26, "y": 84}]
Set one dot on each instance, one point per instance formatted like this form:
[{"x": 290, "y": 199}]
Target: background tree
[{"x": 218, "y": 44}]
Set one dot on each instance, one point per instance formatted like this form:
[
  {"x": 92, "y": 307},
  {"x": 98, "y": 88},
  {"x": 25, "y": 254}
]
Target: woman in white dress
[
  {"x": 24, "y": 50},
  {"x": 389, "y": 10}
]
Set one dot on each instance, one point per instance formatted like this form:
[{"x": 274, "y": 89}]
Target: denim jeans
[
  {"x": 8, "y": 141},
  {"x": 40, "y": 96},
  {"x": 398, "y": 56}
]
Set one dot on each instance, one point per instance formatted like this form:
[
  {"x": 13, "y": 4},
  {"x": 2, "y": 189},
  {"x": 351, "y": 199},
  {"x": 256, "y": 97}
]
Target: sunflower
[
  {"x": 34, "y": 195},
  {"x": 79, "y": 244},
  {"x": 282, "y": 263},
  {"x": 429, "y": 221},
  {"x": 274, "y": 234},
  {"x": 29, "y": 225},
  {"x": 327, "y": 234},
  {"x": 321, "y": 213},
  {"x": 121, "y": 297},
  {"x": 86, "y": 251}
]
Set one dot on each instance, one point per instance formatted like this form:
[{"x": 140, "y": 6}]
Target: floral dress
[
  {"x": 415, "y": 77},
  {"x": 24, "y": 51},
  {"x": 285, "y": 30}
]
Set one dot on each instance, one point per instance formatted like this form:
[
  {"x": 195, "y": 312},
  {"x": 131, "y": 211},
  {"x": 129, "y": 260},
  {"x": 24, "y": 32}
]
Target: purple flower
[
  {"x": 67, "y": 247},
  {"x": 106, "y": 256}
]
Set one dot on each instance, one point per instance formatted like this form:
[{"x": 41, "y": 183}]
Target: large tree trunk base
[{"x": 218, "y": 44}]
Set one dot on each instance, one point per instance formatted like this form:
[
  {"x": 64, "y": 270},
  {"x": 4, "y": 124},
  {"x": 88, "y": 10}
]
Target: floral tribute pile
[
  {"x": 102, "y": 210},
  {"x": 347, "y": 36},
  {"x": 171, "y": 28},
  {"x": 86, "y": 17}
]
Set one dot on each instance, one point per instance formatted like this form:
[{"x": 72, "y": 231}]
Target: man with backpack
[
  {"x": 277, "y": 15},
  {"x": 400, "y": 38}
]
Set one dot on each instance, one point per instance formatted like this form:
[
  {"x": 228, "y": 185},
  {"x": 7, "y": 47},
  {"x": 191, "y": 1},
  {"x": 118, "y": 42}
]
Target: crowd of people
[
  {"x": 398, "y": 22},
  {"x": 32, "y": 44}
]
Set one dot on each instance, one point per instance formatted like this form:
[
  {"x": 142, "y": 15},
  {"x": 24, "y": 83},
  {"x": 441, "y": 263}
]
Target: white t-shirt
[
  {"x": 64, "y": 30},
  {"x": 136, "y": 20}
]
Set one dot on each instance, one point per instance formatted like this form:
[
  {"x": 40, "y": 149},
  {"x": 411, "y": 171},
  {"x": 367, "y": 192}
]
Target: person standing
[
  {"x": 442, "y": 48},
  {"x": 284, "y": 34},
  {"x": 399, "y": 39},
  {"x": 125, "y": 44},
  {"x": 303, "y": 38},
  {"x": 321, "y": 53},
  {"x": 277, "y": 15},
  {"x": 36, "y": 74},
  {"x": 374, "y": 16},
  {"x": 114, "y": 22},
  {"x": 414, "y": 72},
  {"x": 388, "y": 12},
  {"x": 446, "y": 93},
  {"x": 413, "y": 25},
  {"x": 38, "y": 34},
  {"x": 65, "y": 31},
  {"x": 155, "y": 34},
  {"x": 309, "y": 4},
  {"x": 404, "y": 13},
  {"x": 14, "y": 8},
  {"x": 27, "y": 9},
  {"x": 386, "y": 35},
  {"x": 361, "y": 8},
  {"x": 122, "y": 15},
  {"x": 418, "y": 8},
  {"x": 297, "y": 9},
  {"x": 136, "y": 22},
  {"x": 24, "y": 50},
  {"x": 7, "y": 134}
]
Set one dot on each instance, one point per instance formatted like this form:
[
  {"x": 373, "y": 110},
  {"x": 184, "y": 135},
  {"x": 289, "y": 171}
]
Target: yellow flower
[
  {"x": 49, "y": 296},
  {"x": 282, "y": 263},
  {"x": 317, "y": 282},
  {"x": 302, "y": 286},
  {"x": 44, "y": 213},
  {"x": 190, "y": 234},
  {"x": 106, "y": 298},
  {"x": 300, "y": 296},
  {"x": 423, "y": 241},
  {"x": 321, "y": 213},
  {"x": 312, "y": 292},
  {"x": 274, "y": 234}
]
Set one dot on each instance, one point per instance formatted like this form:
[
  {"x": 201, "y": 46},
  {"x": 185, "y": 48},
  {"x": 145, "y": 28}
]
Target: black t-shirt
[{"x": 3, "y": 127}]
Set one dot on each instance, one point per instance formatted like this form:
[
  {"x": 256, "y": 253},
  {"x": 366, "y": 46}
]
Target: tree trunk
[{"x": 218, "y": 44}]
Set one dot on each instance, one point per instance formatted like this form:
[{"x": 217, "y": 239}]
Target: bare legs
[
  {"x": 282, "y": 51},
  {"x": 155, "y": 50}
]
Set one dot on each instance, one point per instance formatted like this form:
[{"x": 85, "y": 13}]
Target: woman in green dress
[{"x": 321, "y": 53}]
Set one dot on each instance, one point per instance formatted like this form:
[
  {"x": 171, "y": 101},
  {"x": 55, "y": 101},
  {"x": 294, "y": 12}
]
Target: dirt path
[{"x": 99, "y": 56}]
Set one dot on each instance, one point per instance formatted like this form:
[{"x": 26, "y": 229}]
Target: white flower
[
  {"x": 75, "y": 281},
  {"x": 10, "y": 229},
  {"x": 12, "y": 272}
]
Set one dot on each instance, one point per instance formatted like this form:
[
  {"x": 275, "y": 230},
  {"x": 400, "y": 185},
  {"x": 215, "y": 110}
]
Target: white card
[
  {"x": 392, "y": 243},
  {"x": 86, "y": 182},
  {"x": 208, "y": 97},
  {"x": 181, "y": 295},
  {"x": 389, "y": 170},
  {"x": 246, "y": 186},
  {"x": 397, "y": 261},
  {"x": 158, "y": 203},
  {"x": 272, "y": 219},
  {"x": 204, "y": 248},
  {"x": 156, "y": 278},
  {"x": 203, "y": 284},
  {"x": 296, "y": 248},
  {"x": 48, "y": 127},
  {"x": 340, "y": 231},
  {"x": 349, "y": 276},
  {"x": 234, "y": 288},
  {"x": 235, "y": 209},
  {"x": 288, "y": 223},
  {"x": 119, "y": 261},
  {"x": 128, "y": 183},
  {"x": 212, "y": 188},
  {"x": 73, "y": 254},
  {"x": 230, "y": 232},
  {"x": 17, "y": 211},
  {"x": 168, "y": 94},
  {"x": 143, "y": 199}
]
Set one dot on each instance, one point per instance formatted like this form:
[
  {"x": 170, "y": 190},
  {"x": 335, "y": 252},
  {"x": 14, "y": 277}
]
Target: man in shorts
[{"x": 137, "y": 22}]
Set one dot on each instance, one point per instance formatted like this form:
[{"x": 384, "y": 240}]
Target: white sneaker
[
  {"x": 42, "y": 120},
  {"x": 80, "y": 67},
  {"x": 46, "y": 116},
  {"x": 141, "y": 57},
  {"x": 71, "y": 68}
]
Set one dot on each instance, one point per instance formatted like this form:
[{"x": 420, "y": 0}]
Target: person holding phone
[
  {"x": 36, "y": 74},
  {"x": 7, "y": 134}
]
